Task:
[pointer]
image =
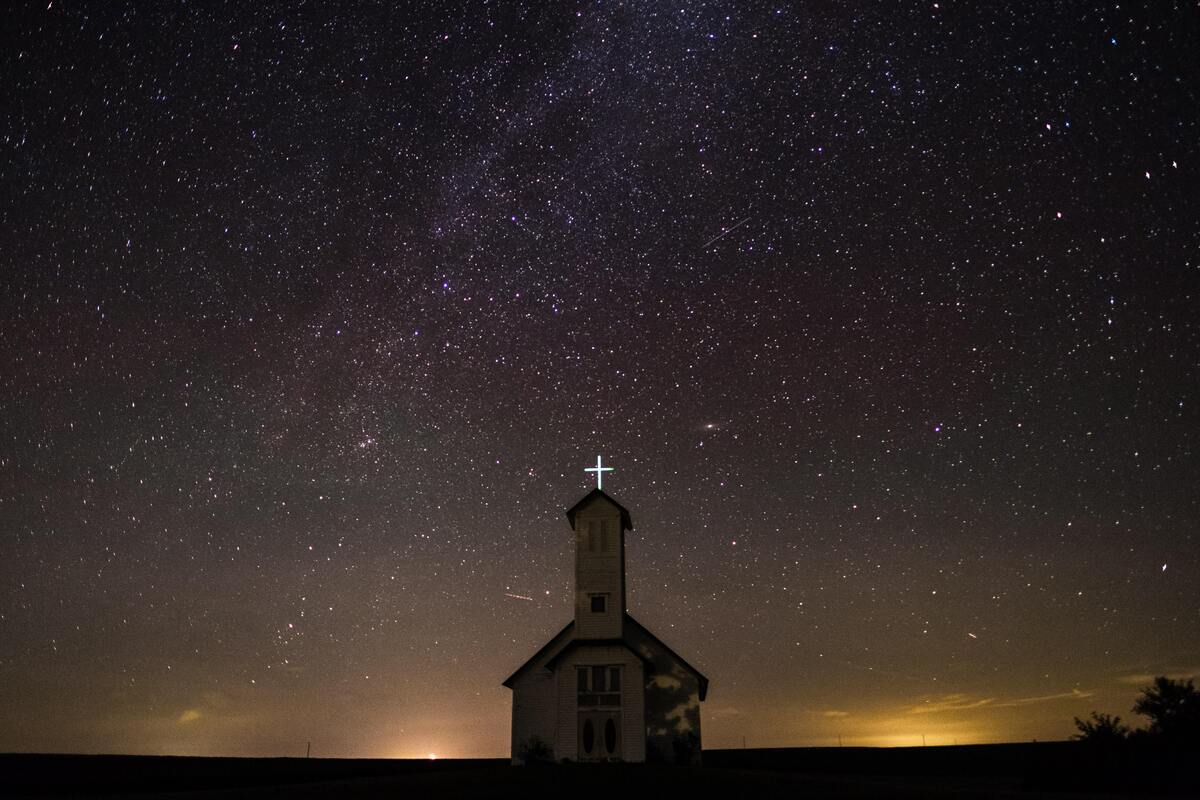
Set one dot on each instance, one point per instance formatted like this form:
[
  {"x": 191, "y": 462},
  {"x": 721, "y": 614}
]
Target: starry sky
[{"x": 312, "y": 316}]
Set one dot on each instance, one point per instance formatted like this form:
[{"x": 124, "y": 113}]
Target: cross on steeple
[{"x": 599, "y": 470}]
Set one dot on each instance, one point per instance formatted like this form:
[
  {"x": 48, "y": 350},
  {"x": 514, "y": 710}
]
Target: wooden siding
[
  {"x": 534, "y": 710},
  {"x": 599, "y": 572},
  {"x": 633, "y": 726},
  {"x": 672, "y": 705}
]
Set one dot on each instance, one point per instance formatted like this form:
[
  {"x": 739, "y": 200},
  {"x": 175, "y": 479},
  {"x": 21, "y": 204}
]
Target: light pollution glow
[{"x": 459, "y": 731}]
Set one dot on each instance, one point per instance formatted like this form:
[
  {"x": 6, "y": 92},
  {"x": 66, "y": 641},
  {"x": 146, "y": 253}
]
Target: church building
[{"x": 604, "y": 688}]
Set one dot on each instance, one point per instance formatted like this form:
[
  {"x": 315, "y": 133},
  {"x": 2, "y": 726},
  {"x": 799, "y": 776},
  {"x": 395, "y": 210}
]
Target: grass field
[{"x": 951, "y": 772}]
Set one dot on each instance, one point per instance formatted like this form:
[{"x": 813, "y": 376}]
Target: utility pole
[
  {"x": 308, "y": 751},
  {"x": 922, "y": 740}
]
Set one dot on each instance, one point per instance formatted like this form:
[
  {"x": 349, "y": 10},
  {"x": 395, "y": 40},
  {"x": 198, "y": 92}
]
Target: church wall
[
  {"x": 672, "y": 707},
  {"x": 633, "y": 734},
  {"x": 534, "y": 711}
]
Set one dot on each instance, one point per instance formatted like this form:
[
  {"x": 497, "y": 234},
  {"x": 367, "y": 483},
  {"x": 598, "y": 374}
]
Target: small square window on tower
[{"x": 599, "y": 603}]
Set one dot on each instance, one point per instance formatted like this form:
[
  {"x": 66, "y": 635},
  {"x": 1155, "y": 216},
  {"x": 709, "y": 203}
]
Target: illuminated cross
[{"x": 599, "y": 470}]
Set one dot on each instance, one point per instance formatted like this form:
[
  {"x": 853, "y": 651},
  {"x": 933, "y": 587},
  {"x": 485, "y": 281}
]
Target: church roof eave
[
  {"x": 555, "y": 639},
  {"x": 596, "y": 643}
]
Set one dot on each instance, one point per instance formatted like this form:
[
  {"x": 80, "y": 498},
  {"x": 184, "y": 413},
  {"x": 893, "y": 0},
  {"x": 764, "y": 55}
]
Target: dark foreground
[{"x": 1000, "y": 771}]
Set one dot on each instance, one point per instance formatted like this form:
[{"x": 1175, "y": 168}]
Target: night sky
[{"x": 887, "y": 316}]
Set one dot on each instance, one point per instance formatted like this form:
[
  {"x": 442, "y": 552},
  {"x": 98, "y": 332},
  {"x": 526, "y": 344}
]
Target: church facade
[{"x": 604, "y": 688}]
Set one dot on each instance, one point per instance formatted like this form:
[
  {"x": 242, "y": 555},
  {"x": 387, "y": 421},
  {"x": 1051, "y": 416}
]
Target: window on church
[
  {"x": 598, "y": 686},
  {"x": 604, "y": 535},
  {"x": 599, "y": 603},
  {"x": 593, "y": 536}
]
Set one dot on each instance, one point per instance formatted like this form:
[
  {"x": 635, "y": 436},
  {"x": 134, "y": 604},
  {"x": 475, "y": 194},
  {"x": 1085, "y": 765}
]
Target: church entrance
[{"x": 599, "y": 735}]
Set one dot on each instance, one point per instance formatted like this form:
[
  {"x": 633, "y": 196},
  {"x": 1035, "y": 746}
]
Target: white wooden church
[{"x": 604, "y": 688}]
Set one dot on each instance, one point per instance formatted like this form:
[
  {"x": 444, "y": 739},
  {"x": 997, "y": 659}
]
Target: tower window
[
  {"x": 599, "y": 603},
  {"x": 600, "y": 538}
]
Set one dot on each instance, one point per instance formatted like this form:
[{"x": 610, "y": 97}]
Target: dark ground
[{"x": 1016, "y": 771}]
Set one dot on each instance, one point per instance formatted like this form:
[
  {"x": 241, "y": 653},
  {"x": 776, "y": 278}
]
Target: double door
[{"x": 599, "y": 735}]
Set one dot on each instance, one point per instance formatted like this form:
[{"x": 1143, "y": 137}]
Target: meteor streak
[{"x": 725, "y": 232}]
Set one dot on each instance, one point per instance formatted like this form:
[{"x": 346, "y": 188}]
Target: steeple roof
[{"x": 626, "y": 520}]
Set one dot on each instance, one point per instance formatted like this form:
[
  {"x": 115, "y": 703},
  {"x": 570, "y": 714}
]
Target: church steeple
[
  {"x": 604, "y": 688},
  {"x": 599, "y": 523}
]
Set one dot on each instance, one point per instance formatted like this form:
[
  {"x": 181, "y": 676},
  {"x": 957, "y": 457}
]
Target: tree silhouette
[
  {"x": 1101, "y": 729},
  {"x": 1173, "y": 708},
  {"x": 1158, "y": 758}
]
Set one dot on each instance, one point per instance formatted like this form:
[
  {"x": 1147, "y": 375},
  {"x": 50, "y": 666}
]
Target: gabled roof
[
  {"x": 571, "y": 645},
  {"x": 565, "y": 641},
  {"x": 626, "y": 520},
  {"x": 555, "y": 639}
]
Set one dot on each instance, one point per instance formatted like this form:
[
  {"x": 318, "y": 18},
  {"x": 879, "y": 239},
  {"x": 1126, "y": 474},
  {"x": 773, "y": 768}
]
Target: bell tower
[
  {"x": 604, "y": 688},
  {"x": 599, "y": 523}
]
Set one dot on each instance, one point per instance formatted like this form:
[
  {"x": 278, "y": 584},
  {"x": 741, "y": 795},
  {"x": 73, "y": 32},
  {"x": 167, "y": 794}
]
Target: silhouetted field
[
  {"x": 1022, "y": 768},
  {"x": 79, "y": 774},
  {"x": 1009, "y": 771}
]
